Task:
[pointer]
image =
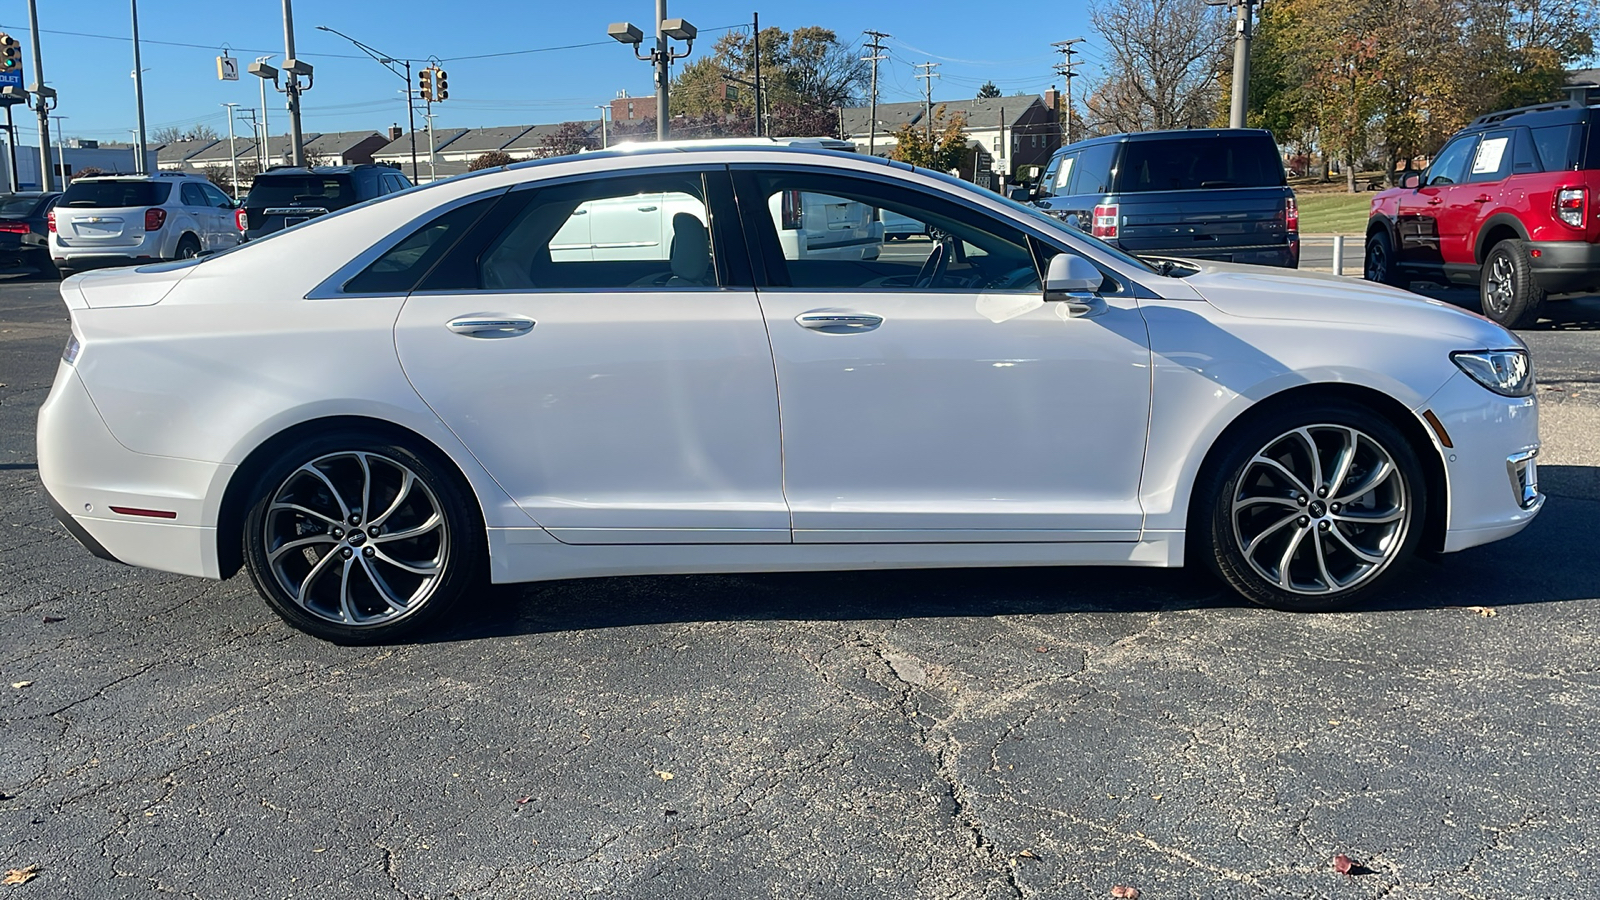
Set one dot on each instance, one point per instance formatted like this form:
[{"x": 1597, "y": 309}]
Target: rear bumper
[
  {"x": 84, "y": 262},
  {"x": 1563, "y": 267},
  {"x": 89, "y": 477}
]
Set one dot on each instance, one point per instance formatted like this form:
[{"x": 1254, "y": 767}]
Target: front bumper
[
  {"x": 89, "y": 477},
  {"x": 1564, "y": 267},
  {"x": 1491, "y": 472}
]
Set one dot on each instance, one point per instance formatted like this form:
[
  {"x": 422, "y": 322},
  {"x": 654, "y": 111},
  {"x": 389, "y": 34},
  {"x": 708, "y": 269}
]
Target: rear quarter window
[
  {"x": 1558, "y": 146},
  {"x": 1200, "y": 163},
  {"x": 114, "y": 194}
]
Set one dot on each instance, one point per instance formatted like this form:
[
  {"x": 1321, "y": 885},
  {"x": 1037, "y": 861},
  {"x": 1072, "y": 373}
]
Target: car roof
[
  {"x": 1564, "y": 112},
  {"x": 1169, "y": 134},
  {"x": 155, "y": 176},
  {"x": 734, "y": 143},
  {"x": 321, "y": 170}
]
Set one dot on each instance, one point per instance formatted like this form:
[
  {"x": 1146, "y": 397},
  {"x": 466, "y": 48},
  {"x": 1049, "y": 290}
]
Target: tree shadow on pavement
[{"x": 1550, "y": 561}]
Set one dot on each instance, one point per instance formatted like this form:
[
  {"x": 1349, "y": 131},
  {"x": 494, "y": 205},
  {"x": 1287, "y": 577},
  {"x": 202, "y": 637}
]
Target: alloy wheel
[
  {"x": 1377, "y": 264},
  {"x": 356, "y": 538},
  {"x": 1321, "y": 509},
  {"x": 1499, "y": 285}
]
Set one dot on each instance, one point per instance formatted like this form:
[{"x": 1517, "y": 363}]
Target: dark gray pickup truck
[{"x": 1214, "y": 193}]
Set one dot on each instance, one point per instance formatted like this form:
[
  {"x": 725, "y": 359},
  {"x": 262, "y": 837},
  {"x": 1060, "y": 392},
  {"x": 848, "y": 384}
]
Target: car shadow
[
  {"x": 1549, "y": 562},
  {"x": 1577, "y": 313}
]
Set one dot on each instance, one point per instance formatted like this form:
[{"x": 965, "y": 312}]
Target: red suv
[{"x": 1506, "y": 206}]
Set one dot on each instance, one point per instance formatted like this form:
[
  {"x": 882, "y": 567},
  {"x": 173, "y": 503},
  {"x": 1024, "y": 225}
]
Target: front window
[{"x": 1449, "y": 166}]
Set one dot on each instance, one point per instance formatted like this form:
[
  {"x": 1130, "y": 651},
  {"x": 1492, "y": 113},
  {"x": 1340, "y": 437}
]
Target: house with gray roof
[
  {"x": 174, "y": 157},
  {"x": 1013, "y": 131}
]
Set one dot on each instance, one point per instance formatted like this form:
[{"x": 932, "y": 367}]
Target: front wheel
[
  {"x": 1311, "y": 509},
  {"x": 360, "y": 539},
  {"x": 1380, "y": 260}
]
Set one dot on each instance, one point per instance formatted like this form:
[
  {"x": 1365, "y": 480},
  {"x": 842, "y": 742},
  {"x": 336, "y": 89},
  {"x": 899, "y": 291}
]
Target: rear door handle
[
  {"x": 838, "y": 321},
  {"x": 490, "y": 325}
]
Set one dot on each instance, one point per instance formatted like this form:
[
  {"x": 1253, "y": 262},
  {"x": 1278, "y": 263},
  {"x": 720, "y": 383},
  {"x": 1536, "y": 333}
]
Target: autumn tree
[
  {"x": 490, "y": 160},
  {"x": 1165, "y": 59},
  {"x": 804, "y": 72},
  {"x": 571, "y": 137},
  {"x": 940, "y": 146}
]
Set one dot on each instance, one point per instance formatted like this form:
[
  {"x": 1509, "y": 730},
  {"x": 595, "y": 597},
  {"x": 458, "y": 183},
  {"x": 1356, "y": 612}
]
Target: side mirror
[
  {"x": 1072, "y": 280},
  {"x": 1411, "y": 180},
  {"x": 1021, "y": 194}
]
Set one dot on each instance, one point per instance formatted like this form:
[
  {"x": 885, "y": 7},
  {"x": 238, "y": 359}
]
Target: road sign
[
  {"x": 11, "y": 78},
  {"x": 227, "y": 68}
]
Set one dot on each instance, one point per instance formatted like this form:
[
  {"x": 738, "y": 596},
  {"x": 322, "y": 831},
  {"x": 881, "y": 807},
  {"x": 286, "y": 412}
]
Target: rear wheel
[
  {"x": 1509, "y": 292},
  {"x": 1380, "y": 261},
  {"x": 361, "y": 539},
  {"x": 1311, "y": 508},
  {"x": 188, "y": 247}
]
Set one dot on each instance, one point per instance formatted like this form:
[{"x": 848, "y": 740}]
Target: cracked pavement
[{"x": 948, "y": 734}]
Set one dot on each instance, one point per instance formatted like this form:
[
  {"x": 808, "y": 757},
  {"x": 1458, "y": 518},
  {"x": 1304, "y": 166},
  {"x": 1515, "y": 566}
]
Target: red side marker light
[
  {"x": 147, "y": 513},
  {"x": 1535, "y": 253}
]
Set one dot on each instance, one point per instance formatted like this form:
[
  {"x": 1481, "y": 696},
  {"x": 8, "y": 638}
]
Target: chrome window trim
[{"x": 332, "y": 287}]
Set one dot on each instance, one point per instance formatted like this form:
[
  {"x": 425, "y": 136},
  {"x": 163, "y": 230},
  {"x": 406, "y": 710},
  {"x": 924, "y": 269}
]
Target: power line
[
  {"x": 872, "y": 115},
  {"x": 928, "y": 75},
  {"x": 1068, "y": 69}
]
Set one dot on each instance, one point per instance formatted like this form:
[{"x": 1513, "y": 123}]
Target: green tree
[
  {"x": 988, "y": 91},
  {"x": 941, "y": 147},
  {"x": 804, "y": 69}
]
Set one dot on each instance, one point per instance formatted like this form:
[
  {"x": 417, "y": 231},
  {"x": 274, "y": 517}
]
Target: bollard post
[{"x": 1338, "y": 254}]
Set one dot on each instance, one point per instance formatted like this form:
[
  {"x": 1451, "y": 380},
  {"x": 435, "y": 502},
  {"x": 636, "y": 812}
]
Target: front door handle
[
  {"x": 1435, "y": 201},
  {"x": 1482, "y": 198},
  {"x": 1082, "y": 306},
  {"x": 838, "y": 321},
  {"x": 489, "y": 325}
]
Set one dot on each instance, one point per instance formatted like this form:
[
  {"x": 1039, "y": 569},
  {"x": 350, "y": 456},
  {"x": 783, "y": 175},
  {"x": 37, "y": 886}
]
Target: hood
[
  {"x": 141, "y": 286},
  {"x": 1258, "y": 292}
]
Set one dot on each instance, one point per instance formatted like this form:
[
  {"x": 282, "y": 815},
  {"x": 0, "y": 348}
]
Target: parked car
[
  {"x": 121, "y": 220},
  {"x": 25, "y": 230},
  {"x": 1205, "y": 193},
  {"x": 288, "y": 195},
  {"x": 901, "y": 228},
  {"x": 369, "y": 411},
  {"x": 1507, "y": 205}
]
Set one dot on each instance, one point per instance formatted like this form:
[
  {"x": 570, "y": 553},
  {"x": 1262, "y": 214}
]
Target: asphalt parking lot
[{"x": 954, "y": 734}]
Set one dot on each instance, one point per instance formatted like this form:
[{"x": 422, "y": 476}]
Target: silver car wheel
[
  {"x": 1321, "y": 509},
  {"x": 1499, "y": 285},
  {"x": 356, "y": 538}
]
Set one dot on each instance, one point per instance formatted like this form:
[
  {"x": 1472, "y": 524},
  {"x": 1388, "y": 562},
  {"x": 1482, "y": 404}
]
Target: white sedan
[{"x": 371, "y": 411}]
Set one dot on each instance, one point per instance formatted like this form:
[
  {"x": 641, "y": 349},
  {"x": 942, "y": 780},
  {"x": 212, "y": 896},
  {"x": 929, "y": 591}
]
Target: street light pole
[
  {"x": 138, "y": 95},
  {"x": 61, "y": 150},
  {"x": 266, "y": 130},
  {"x": 297, "y": 150},
  {"x": 604, "y": 141},
  {"x": 47, "y": 181},
  {"x": 233, "y": 156},
  {"x": 389, "y": 62},
  {"x": 1240, "y": 101},
  {"x": 661, "y": 57}
]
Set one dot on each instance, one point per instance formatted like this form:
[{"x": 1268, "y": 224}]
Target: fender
[
  {"x": 1498, "y": 221},
  {"x": 1383, "y": 221}
]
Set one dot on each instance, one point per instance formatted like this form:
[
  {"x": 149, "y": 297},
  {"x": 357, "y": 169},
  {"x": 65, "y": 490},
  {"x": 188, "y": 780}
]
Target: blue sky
[{"x": 89, "y": 58}]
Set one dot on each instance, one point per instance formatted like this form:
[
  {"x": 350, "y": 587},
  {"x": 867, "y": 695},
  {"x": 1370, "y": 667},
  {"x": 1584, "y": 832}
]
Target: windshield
[
  {"x": 115, "y": 194},
  {"x": 18, "y": 207},
  {"x": 331, "y": 191},
  {"x": 1199, "y": 163}
]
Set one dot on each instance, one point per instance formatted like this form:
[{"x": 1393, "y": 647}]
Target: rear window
[
  {"x": 115, "y": 194},
  {"x": 1558, "y": 146},
  {"x": 18, "y": 206},
  {"x": 1199, "y": 163},
  {"x": 301, "y": 190}
]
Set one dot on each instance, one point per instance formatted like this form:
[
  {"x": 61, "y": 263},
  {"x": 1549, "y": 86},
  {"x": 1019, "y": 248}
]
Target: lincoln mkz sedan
[{"x": 634, "y": 362}]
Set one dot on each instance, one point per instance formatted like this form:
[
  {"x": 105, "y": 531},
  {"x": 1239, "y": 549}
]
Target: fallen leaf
[
  {"x": 1125, "y": 893},
  {"x": 1343, "y": 864},
  {"x": 20, "y": 876},
  {"x": 522, "y": 800},
  {"x": 665, "y": 776},
  {"x": 1041, "y": 649},
  {"x": 1026, "y": 854},
  {"x": 1486, "y": 611},
  {"x": 1155, "y": 796},
  {"x": 51, "y": 620},
  {"x": 19, "y": 685},
  {"x": 320, "y": 850}
]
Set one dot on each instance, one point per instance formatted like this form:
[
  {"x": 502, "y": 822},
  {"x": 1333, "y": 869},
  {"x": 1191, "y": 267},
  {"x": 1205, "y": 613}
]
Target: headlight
[{"x": 1506, "y": 372}]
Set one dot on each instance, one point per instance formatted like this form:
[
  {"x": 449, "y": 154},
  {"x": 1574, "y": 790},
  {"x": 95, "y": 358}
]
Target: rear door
[
  {"x": 1470, "y": 206},
  {"x": 198, "y": 209},
  {"x": 228, "y": 234},
  {"x": 617, "y": 398}
]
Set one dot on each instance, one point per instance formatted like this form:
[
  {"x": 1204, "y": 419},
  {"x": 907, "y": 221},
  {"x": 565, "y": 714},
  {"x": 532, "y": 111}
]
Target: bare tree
[
  {"x": 171, "y": 134},
  {"x": 1165, "y": 59}
]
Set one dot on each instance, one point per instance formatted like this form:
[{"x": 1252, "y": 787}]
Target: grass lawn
[{"x": 1329, "y": 212}]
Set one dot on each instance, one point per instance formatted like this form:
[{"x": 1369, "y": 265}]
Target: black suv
[
  {"x": 1211, "y": 193},
  {"x": 288, "y": 195}
]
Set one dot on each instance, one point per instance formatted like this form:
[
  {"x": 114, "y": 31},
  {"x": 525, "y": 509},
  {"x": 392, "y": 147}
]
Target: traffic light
[
  {"x": 425, "y": 84},
  {"x": 441, "y": 85},
  {"x": 10, "y": 53}
]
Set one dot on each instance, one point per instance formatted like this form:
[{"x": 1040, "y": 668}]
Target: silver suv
[{"x": 123, "y": 220}]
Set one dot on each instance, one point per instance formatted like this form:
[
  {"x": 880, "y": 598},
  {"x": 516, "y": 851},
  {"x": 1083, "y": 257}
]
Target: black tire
[
  {"x": 1508, "y": 291},
  {"x": 45, "y": 269},
  {"x": 1246, "y": 515},
  {"x": 374, "y": 561},
  {"x": 188, "y": 247},
  {"x": 1380, "y": 261}
]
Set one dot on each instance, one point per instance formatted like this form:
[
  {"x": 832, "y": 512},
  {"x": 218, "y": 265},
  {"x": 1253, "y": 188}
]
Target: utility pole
[
  {"x": 1068, "y": 69},
  {"x": 233, "y": 154},
  {"x": 61, "y": 150},
  {"x": 297, "y": 149},
  {"x": 47, "y": 181},
  {"x": 928, "y": 75},
  {"x": 266, "y": 130},
  {"x": 872, "y": 106},
  {"x": 1241, "y": 58},
  {"x": 604, "y": 140},
  {"x": 432, "y": 174},
  {"x": 755, "y": 56},
  {"x": 138, "y": 95}
]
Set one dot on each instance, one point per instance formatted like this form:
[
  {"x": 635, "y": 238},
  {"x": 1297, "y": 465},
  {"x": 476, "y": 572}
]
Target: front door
[
  {"x": 1423, "y": 212},
  {"x": 931, "y": 394},
  {"x": 620, "y": 393}
]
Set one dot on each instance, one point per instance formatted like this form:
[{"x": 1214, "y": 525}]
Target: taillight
[
  {"x": 1570, "y": 205},
  {"x": 14, "y": 227},
  {"x": 50, "y": 221},
  {"x": 1291, "y": 216},
  {"x": 154, "y": 219},
  {"x": 791, "y": 210},
  {"x": 1105, "y": 221},
  {"x": 241, "y": 220}
]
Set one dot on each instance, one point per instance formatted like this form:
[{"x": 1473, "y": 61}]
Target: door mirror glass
[
  {"x": 1069, "y": 273},
  {"x": 1021, "y": 194},
  {"x": 1411, "y": 180}
]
